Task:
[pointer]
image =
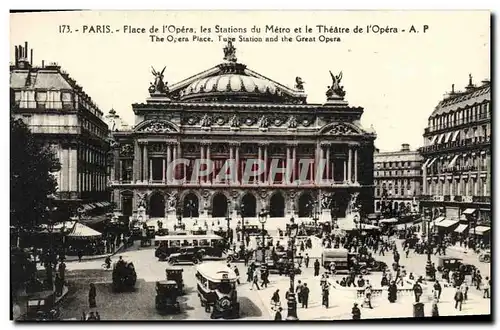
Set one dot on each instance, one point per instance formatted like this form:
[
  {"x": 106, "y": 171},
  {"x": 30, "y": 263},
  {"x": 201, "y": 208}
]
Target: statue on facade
[
  {"x": 335, "y": 89},
  {"x": 352, "y": 207},
  {"x": 299, "y": 84},
  {"x": 206, "y": 121},
  {"x": 292, "y": 123},
  {"x": 264, "y": 122},
  {"x": 326, "y": 201},
  {"x": 172, "y": 200},
  {"x": 234, "y": 121},
  {"x": 230, "y": 52},
  {"x": 141, "y": 199},
  {"x": 158, "y": 86}
]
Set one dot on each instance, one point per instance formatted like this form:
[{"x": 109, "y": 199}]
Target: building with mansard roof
[
  {"x": 230, "y": 112},
  {"x": 62, "y": 115},
  {"x": 457, "y": 158}
]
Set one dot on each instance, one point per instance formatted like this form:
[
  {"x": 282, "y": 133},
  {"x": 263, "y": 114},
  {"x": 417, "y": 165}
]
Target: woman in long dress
[{"x": 92, "y": 295}]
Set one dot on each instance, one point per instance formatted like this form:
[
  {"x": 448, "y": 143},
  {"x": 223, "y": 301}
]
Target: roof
[
  {"x": 463, "y": 100},
  {"x": 40, "y": 79},
  {"x": 186, "y": 237},
  {"x": 216, "y": 271}
]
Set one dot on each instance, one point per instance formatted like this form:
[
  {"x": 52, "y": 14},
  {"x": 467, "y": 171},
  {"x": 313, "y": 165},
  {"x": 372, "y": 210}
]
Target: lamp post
[
  {"x": 242, "y": 215},
  {"x": 292, "y": 302},
  {"x": 262, "y": 220},
  {"x": 228, "y": 226},
  {"x": 429, "y": 272}
]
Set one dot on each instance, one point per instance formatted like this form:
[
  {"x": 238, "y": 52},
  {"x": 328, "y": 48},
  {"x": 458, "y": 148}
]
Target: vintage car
[
  {"x": 217, "y": 290},
  {"x": 212, "y": 245},
  {"x": 235, "y": 256},
  {"x": 453, "y": 264},
  {"x": 485, "y": 256},
  {"x": 124, "y": 276},
  {"x": 40, "y": 306},
  {"x": 175, "y": 274},
  {"x": 252, "y": 230},
  {"x": 166, "y": 297},
  {"x": 344, "y": 261},
  {"x": 180, "y": 226},
  {"x": 186, "y": 255}
]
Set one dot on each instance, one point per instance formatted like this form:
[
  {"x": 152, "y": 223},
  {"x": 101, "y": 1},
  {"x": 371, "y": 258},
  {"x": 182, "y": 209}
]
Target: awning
[
  {"x": 480, "y": 230},
  {"x": 426, "y": 162},
  {"x": 446, "y": 223},
  {"x": 432, "y": 162},
  {"x": 82, "y": 231},
  {"x": 455, "y": 135},
  {"x": 392, "y": 220},
  {"x": 437, "y": 220},
  {"x": 453, "y": 161},
  {"x": 447, "y": 138},
  {"x": 433, "y": 140},
  {"x": 461, "y": 228},
  {"x": 469, "y": 211},
  {"x": 440, "y": 139}
]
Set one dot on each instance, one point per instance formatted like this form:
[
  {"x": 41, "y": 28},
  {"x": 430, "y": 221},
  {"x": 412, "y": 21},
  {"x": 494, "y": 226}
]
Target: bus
[
  {"x": 216, "y": 284},
  {"x": 212, "y": 245}
]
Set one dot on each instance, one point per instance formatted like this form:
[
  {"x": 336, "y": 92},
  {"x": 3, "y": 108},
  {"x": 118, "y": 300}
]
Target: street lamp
[
  {"x": 429, "y": 271},
  {"x": 228, "y": 219},
  {"x": 262, "y": 220},
  {"x": 292, "y": 302},
  {"x": 242, "y": 215}
]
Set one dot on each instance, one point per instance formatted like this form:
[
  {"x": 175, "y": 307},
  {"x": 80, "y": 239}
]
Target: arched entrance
[
  {"x": 377, "y": 206},
  {"x": 219, "y": 206},
  {"x": 305, "y": 205},
  {"x": 395, "y": 207},
  {"x": 277, "y": 206},
  {"x": 157, "y": 206},
  {"x": 127, "y": 204},
  {"x": 190, "y": 206},
  {"x": 249, "y": 204},
  {"x": 402, "y": 207}
]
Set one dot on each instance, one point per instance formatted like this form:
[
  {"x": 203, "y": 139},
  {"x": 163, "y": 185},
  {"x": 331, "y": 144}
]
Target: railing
[
  {"x": 53, "y": 105},
  {"x": 309, "y": 184},
  {"x": 55, "y": 129},
  {"x": 481, "y": 199},
  {"x": 456, "y": 123},
  {"x": 446, "y": 198}
]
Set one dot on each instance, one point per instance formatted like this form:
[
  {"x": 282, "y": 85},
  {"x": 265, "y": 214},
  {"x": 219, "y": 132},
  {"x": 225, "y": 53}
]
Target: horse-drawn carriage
[{"x": 124, "y": 276}]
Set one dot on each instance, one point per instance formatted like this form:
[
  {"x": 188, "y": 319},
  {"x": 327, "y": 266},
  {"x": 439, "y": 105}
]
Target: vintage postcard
[{"x": 250, "y": 165}]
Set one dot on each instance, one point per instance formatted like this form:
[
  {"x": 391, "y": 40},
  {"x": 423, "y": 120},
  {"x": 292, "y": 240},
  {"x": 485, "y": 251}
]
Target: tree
[{"x": 31, "y": 180}]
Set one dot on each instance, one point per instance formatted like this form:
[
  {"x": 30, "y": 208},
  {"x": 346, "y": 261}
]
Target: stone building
[
  {"x": 457, "y": 154},
  {"x": 60, "y": 113},
  {"x": 398, "y": 180},
  {"x": 230, "y": 112}
]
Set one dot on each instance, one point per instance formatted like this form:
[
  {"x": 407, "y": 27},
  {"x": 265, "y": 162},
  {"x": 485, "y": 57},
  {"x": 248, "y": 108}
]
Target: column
[
  {"x": 356, "y": 165},
  {"x": 287, "y": 169},
  {"x": 181, "y": 167},
  {"x": 332, "y": 171},
  {"x": 145, "y": 162},
  {"x": 151, "y": 169},
  {"x": 349, "y": 167},
  {"x": 231, "y": 163},
  {"x": 345, "y": 171},
  {"x": 237, "y": 163},
  {"x": 202, "y": 156},
  {"x": 317, "y": 156},
  {"x": 259, "y": 159},
  {"x": 294, "y": 163},
  {"x": 168, "y": 162},
  {"x": 265, "y": 164},
  {"x": 327, "y": 151},
  {"x": 136, "y": 174},
  {"x": 424, "y": 179},
  {"x": 207, "y": 178},
  {"x": 164, "y": 170},
  {"x": 120, "y": 171}
]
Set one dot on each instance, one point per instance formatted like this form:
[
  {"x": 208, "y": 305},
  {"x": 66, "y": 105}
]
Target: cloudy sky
[{"x": 397, "y": 77}]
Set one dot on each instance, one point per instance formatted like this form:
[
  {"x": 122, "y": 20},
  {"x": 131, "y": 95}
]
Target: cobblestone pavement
[{"x": 255, "y": 304}]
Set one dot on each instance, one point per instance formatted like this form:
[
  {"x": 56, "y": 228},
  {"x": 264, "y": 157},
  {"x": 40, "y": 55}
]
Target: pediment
[
  {"x": 156, "y": 126},
  {"x": 340, "y": 129}
]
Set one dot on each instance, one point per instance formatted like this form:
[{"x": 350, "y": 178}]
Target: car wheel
[
  {"x": 195, "y": 261},
  {"x": 172, "y": 261}
]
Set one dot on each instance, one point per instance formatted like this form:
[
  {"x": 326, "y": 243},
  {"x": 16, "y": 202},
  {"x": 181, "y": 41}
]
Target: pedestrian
[
  {"x": 249, "y": 274},
  {"x": 97, "y": 316},
  {"x": 368, "y": 295},
  {"x": 437, "y": 290},
  {"x": 92, "y": 296},
  {"x": 361, "y": 281},
  {"x": 299, "y": 291},
  {"x": 306, "y": 260},
  {"x": 392, "y": 292},
  {"x": 275, "y": 300},
  {"x": 326, "y": 295},
  {"x": 80, "y": 255},
  {"x": 417, "y": 291},
  {"x": 255, "y": 280},
  {"x": 435, "y": 309},
  {"x": 277, "y": 316},
  {"x": 407, "y": 252},
  {"x": 58, "y": 283},
  {"x": 305, "y": 296},
  {"x": 458, "y": 298},
  {"x": 486, "y": 288},
  {"x": 356, "y": 312},
  {"x": 316, "y": 267},
  {"x": 237, "y": 273}
]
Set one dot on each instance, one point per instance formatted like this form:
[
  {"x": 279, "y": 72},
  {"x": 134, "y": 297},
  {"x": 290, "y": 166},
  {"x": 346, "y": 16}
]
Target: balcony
[
  {"x": 458, "y": 123},
  {"x": 481, "y": 199},
  {"x": 54, "y": 129}
]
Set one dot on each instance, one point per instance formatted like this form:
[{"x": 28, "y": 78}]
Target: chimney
[
  {"x": 16, "y": 55},
  {"x": 23, "y": 61},
  {"x": 31, "y": 57},
  {"x": 485, "y": 82},
  {"x": 470, "y": 85},
  {"x": 43, "y": 63},
  {"x": 405, "y": 147}
]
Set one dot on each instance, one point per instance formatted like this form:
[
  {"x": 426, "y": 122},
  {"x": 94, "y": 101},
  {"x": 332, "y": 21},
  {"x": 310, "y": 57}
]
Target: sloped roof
[
  {"x": 40, "y": 79},
  {"x": 463, "y": 100}
]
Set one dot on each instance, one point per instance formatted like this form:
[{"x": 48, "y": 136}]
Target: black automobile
[
  {"x": 186, "y": 255},
  {"x": 124, "y": 276},
  {"x": 252, "y": 230}
]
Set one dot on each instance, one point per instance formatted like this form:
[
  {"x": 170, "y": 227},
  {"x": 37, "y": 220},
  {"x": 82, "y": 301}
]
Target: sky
[{"x": 398, "y": 78}]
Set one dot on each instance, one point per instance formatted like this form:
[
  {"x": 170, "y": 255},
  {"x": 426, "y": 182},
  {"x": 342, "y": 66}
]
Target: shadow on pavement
[{"x": 248, "y": 308}]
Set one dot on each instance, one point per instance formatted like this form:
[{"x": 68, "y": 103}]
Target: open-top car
[
  {"x": 124, "y": 276},
  {"x": 186, "y": 255},
  {"x": 166, "y": 296},
  {"x": 454, "y": 264},
  {"x": 41, "y": 307}
]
